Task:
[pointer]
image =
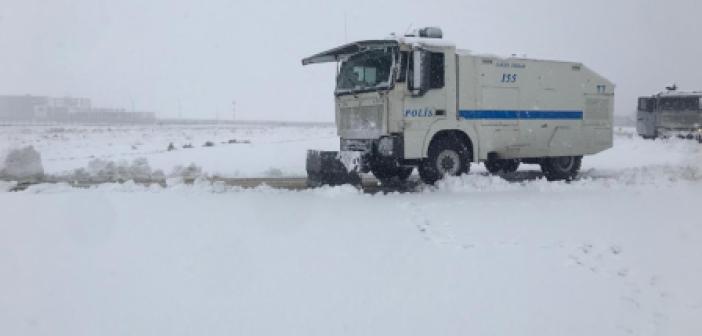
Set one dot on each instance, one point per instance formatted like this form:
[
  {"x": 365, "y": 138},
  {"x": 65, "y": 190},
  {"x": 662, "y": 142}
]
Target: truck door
[
  {"x": 646, "y": 117},
  {"x": 429, "y": 100}
]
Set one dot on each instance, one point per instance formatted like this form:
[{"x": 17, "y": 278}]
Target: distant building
[
  {"x": 67, "y": 109},
  {"x": 109, "y": 115},
  {"x": 20, "y": 108}
]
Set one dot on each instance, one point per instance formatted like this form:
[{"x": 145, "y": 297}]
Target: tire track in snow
[{"x": 645, "y": 294}]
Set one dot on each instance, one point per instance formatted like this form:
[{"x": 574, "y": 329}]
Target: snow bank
[
  {"x": 191, "y": 171},
  {"x": 21, "y": 164},
  {"x": 7, "y": 185},
  {"x": 661, "y": 176},
  {"x": 122, "y": 170},
  {"x": 138, "y": 169}
]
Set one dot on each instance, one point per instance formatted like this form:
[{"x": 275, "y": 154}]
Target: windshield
[{"x": 367, "y": 70}]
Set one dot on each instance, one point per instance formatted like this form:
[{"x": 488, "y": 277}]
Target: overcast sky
[{"x": 195, "y": 57}]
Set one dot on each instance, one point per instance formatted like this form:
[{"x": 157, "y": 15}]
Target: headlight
[{"x": 386, "y": 146}]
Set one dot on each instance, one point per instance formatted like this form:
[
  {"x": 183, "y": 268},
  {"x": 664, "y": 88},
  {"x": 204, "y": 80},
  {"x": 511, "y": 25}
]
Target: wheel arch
[{"x": 456, "y": 133}]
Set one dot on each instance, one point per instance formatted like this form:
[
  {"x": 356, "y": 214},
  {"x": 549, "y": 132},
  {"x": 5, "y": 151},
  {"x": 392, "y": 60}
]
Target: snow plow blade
[{"x": 325, "y": 168}]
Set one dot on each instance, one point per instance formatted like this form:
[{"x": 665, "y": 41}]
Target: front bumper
[
  {"x": 389, "y": 146},
  {"x": 327, "y": 168},
  {"x": 356, "y": 156}
]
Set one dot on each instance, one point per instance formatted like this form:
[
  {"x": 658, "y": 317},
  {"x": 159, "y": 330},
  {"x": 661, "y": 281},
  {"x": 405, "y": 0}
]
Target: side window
[
  {"x": 436, "y": 71},
  {"x": 402, "y": 75},
  {"x": 700, "y": 103},
  {"x": 410, "y": 70}
]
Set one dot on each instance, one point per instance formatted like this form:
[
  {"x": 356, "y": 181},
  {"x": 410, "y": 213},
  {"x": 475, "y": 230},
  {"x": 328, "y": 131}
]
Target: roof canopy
[{"x": 336, "y": 54}]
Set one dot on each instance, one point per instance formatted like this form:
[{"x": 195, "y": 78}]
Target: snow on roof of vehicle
[
  {"x": 466, "y": 52},
  {"x": 425, "y": 41},
  {"x": 676, "y": 93}
]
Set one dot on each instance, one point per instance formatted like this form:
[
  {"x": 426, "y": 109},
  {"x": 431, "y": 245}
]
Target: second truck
[{"x": 417, "y": 101}]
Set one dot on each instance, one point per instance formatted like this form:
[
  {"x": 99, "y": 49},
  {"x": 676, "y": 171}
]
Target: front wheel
[
  {"x": 446, "y": 157},
  {"x": 561, "y": 167}
]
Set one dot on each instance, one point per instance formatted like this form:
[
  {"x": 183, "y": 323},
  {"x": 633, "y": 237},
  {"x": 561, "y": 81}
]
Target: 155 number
[{"x": 509, "y": 78}]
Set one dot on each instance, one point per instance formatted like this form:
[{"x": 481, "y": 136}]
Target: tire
[
  {"x": 502, "y": 166},
  {"x": 389, "y": 171},
  {"x": 561, "y": 168},
  {"x": 404, "y": 173},
  {"x": 387, "y": 174},
  {"x": 447, "y": 156},
  {"x": 383, "y": 173}
]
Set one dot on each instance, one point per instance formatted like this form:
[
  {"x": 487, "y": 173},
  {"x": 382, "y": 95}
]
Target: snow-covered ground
[
  {"x": 277, "y": 149},
  {"x": 618, "y": 252}
]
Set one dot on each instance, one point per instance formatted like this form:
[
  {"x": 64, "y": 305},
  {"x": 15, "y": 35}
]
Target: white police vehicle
[{"x": 417, "y": 101}]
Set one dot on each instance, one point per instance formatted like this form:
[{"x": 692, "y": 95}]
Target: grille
[
  {"x": 356, "y": 145},
  {"x": 361, "y": 118}
]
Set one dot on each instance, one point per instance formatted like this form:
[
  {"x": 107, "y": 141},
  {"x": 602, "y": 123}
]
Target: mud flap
[{"x": 325, "y": 168}]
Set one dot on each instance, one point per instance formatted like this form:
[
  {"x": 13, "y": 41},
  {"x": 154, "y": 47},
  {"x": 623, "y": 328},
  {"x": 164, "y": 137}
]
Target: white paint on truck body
[{"x": 512, "y": 107}]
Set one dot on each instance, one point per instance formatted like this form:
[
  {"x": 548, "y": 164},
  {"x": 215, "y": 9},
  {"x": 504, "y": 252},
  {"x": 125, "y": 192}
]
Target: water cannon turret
[{"x": 427, "y": 32}]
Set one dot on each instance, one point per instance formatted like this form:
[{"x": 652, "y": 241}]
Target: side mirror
[{"x": 419, "y": 83}]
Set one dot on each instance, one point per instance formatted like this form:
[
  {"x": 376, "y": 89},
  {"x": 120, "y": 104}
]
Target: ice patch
[{"x": 21, "y": 164}]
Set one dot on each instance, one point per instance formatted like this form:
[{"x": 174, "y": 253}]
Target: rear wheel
[
  {"x": 502, "y": 166},
  {"x": 447, "y": 156},
  {"x": 561, "y": 167}
]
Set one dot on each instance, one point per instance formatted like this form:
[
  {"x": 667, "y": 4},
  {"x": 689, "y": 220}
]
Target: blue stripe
[{"x": 511, "y": 114}]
